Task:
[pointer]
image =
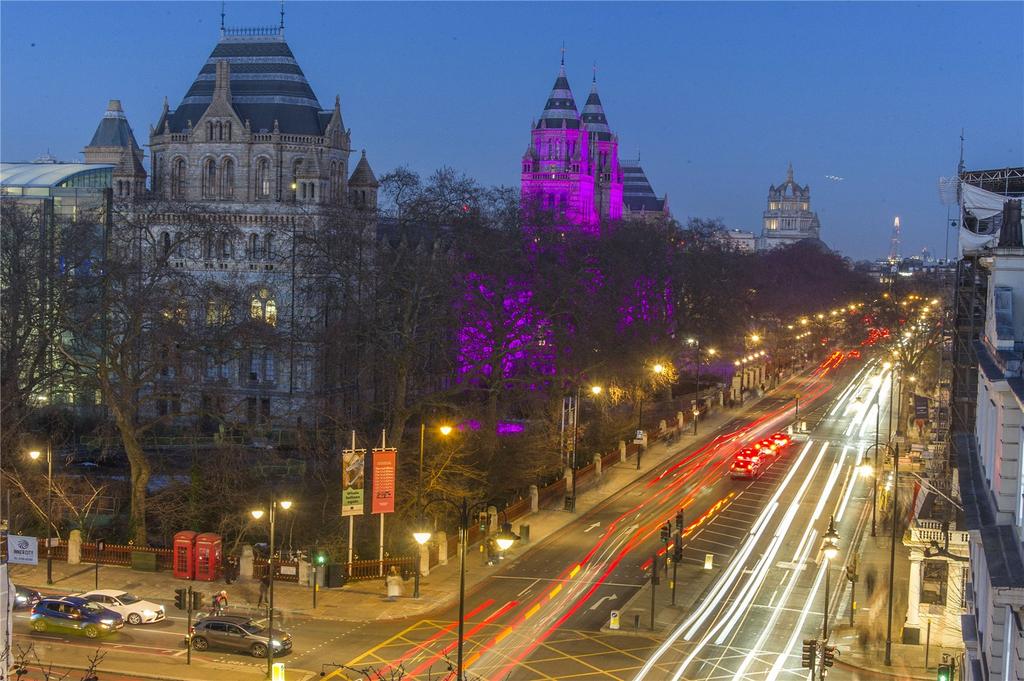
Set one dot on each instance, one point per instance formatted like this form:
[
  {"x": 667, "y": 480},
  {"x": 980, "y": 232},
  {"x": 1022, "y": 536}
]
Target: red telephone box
[
  {"x": 207, "y": 561},
  {"x": 184, "y": 554}
]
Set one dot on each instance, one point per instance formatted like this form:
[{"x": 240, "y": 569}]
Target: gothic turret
[
  {"x": 363, "y": 185},
  {"x": 114, "y": 143},
  {"x": 604, "y": 150}
]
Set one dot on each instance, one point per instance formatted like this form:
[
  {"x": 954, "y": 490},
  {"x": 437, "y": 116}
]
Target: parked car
[
  {"x": 25, "y": 597},
  {"x": 74, "y": 614},
  {"x": 133, "y": 609},
  {"x": 242, "y": 634}
]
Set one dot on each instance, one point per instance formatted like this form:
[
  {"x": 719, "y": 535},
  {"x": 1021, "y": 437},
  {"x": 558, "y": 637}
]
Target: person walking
[
  {"x": 264, "y": 589},
  {"x": 220, "y": 603}
]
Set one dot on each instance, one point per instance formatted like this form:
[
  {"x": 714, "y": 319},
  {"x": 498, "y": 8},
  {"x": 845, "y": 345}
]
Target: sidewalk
[
  {"x": 361, "y": 601},
  {"x": 862, "y": 647}
]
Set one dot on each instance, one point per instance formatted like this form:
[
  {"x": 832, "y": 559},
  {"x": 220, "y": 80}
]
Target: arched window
[
  {"x": 253, "y": 247},
  {"x": 209, "y": 131},
  {"x": 178, "y": 179},
  {"x": 335, "y": 187},
  {"x": 209, "y": 178},
  {"x": 263, "y": 178},
  {"x": 165, "y": 243},
  {"x": 225, "y": 247},
  {"x": 263, "y": 307},
  {"x": 268, "y": 246},
  {"x": 208, "y": 245},
  {"x": 303, "y": 190},
  {"x": 227, "y": 131},
  {"x": 312, "y": 190},
  {"x": 220, "y": 131},
  {"x": 227, "y": 179}
]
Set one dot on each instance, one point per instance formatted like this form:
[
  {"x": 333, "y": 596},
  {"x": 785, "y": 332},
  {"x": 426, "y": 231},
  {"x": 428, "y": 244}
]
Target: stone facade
[{"x": 788, "y": 217}]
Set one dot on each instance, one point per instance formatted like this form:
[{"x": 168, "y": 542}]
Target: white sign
[
  {"x": 288, "y": 570},
  {"x": 22, "y": 550}
]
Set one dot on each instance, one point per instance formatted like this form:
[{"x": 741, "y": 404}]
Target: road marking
[
  {"x": 595, "y": 606},
  {"x": 591, "y": 527},
  {"x": 530, "y": 586},
  {"x": 790, "y": 565}
]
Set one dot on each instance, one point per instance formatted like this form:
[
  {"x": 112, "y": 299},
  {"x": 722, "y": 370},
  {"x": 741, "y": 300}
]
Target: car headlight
[
  {"x": 107, "y": 622},
  {"x": 148, "y": 613},
  {"x": 274, "y": 642},
  {"x": 22, "y": 599}
]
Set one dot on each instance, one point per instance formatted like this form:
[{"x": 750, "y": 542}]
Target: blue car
[{"x": 71, "y": 614}]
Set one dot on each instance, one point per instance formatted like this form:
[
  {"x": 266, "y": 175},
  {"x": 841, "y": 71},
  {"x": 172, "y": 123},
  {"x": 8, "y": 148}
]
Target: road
[{"x": 541, "y": 616}]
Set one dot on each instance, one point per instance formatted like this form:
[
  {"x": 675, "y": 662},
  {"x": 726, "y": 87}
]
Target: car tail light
[{"x": 191, "y": 630}]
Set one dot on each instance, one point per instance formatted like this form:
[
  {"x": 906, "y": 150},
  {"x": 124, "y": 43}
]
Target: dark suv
[
  {"x": 74, "y": 614},
  {"x": 242, "y": 634}
]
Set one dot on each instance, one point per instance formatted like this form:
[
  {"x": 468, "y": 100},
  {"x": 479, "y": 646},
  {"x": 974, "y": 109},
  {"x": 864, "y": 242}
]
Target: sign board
[
  {"x": 288, "y": 570},
  {"x": 100, "y": 545},
  {"x": 709, "y": 561},
  {"x": 352, "y": 481},
  {"x": 920, "y": 407},
  {"x": 613, "y": 621},
  {"x": 22, "y": 550},
  {"x": 384, "y": 471},
  {"x": 640, "y": 438}
]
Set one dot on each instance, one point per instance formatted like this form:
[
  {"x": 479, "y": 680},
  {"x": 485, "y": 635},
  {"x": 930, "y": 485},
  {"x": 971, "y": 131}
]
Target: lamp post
[
  {"x": 35, "y": 454},
  {"x": 595, "y": 390},
  {"x": 830, "y": 547},
  {"x": 257, "y": 514},
  {"x": 445, "y": 430},
  {"x": 658, "y": 369},
  {"x": 696, "y": 393},
  {"x": 504, "y": 539}
]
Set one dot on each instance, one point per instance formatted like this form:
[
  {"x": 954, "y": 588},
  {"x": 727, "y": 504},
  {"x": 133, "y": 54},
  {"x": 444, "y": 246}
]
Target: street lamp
[
  {"x": 35, "y": 454},
  {"x": 595, "y": 390},
  {"x": 257, "y": 514},
  {"x": 829, "y": 547},
  {"x": 504, "y": 539},
  {"x": 445, "y": 430}
]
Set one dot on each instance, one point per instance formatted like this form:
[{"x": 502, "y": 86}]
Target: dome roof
[{"x": 267, "y": 85}]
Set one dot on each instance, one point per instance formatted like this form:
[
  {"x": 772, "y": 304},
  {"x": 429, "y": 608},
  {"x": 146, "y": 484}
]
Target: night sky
[{"x": 716, "y": 97}]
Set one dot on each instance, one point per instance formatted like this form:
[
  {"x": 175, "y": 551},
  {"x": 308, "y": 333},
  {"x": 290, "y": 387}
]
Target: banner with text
[
  {"x": 353, "y": 480},
  {"x": 22, "y": 550},
  {"x": 384, "y": 471},
  {"x": 920, "y": 407}
]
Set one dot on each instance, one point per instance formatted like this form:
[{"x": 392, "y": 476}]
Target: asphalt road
[{"x": 540, "y": 617}]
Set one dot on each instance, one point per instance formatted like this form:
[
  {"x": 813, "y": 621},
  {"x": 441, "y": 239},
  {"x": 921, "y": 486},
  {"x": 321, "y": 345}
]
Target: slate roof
[
  {"x": 267, "y": 84},
  {"x": 594, "y": 116},
  {"x": 114, "y": 130},
  {"x": 637, "y": 193},
  {"x": 560, "y": 109},
  {"x": 363, "y": 175}
]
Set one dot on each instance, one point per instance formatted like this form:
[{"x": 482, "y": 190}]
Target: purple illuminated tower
[
  {"x": 558, "y": 175},
  {"x": 604, "y": 150}
]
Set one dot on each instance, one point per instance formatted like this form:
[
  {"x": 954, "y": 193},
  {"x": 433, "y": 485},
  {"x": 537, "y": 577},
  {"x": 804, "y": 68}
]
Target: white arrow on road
[
  {"x": 591, "y": 527},
  {"x": 597, "y": 605}
]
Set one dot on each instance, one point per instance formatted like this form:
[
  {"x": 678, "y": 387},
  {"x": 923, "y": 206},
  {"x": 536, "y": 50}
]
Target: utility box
[
  {"x": 208, "y": 557},
  {"x": 183, "y": 562},
  {"x": 336, "y": 575}
]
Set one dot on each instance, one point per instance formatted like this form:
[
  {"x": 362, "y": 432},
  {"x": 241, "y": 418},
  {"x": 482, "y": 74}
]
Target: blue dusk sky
[{"x": 717, "y": 97}]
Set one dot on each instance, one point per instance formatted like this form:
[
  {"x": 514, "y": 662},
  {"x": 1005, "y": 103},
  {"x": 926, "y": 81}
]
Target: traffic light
[
  {"x": 666, "y": 533},
  {"x": 945, "y": 673},
  {"x": 677, "y": 551},
  {"x": 197, "y": 600},
  {"x": 828, "y": 656},
  {"x": 807, "y": 656},
  {"x": 181, "y": 599},
  {"x": 321, "y": 558},
  {"x": 679, "y": 520}
]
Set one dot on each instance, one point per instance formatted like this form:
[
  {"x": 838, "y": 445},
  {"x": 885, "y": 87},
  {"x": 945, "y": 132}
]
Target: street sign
[
  {"x": 384, "y": 471},
  {"x": 613, "y": 620},
  {"x": 352, "y": 481},
  {"x": 22, "y": 550}
]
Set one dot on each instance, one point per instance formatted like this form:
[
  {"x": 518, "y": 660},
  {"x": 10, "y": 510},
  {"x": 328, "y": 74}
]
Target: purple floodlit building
[{"x": 571, "y": 168}]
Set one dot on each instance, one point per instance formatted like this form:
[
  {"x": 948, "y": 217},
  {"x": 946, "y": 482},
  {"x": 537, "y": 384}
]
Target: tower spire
[
  {"x": 789, "y": 172},
  {"x": 221, "y": 18},
  {"x": 594, "y": 81},
  {"x": 563, "y": 53},
  {"x": 282, "y": 17}
]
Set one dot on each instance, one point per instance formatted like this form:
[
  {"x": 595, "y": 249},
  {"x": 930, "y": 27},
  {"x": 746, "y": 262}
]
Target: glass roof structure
[{"x": 54, "y": 175}]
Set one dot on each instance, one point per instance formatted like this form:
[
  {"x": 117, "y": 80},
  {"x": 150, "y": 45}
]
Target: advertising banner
[
  {"x": 384, "y": 471},
  {"x": 353, "y": 481},
  {"x": 22, "y": 550}
]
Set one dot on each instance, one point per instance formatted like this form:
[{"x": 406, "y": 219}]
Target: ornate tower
[
  {"x": 114, "y": 143},
  {"x": 789, "y": 217},
  {"x": 558, "y": 175},
  {"x": 604, "y": 150}
]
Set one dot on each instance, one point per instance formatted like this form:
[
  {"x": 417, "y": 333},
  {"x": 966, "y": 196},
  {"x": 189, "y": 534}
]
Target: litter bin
[
  {"x": 570, "y": 502},
  {"x": 524, "y": 533}
]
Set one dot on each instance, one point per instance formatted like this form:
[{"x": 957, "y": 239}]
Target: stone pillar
[
  {"x": 680, "y": 420},
  {"x": 912, "y": 628},
  {"x": 442, "y": 547},
  {"x": 662, "y": 426},
  {"x": 245, "y": 563},
  {"x": 597, "y": 466},
  {"x": 622, "y": 451},
  {"x": 305, "y": 572},
  {"x": 74, "y": 547},
  {"x": 534, "y": 499},
  {"x": 492, "y": 519},
  {"x": 424, "y": 559}
]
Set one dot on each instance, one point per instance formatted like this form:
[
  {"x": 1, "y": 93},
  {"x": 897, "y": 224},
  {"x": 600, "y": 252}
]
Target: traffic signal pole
[{"x": 188, "y": 629}]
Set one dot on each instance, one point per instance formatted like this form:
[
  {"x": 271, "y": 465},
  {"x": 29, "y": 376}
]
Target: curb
[{"x": 882, "y": 672}]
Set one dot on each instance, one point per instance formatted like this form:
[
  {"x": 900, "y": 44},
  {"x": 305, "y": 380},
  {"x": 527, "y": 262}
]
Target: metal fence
[{"x": 365, "y": 570}]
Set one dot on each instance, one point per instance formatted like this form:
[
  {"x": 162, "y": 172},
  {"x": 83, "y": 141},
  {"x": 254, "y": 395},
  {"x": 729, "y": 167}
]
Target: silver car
[{"x": 241, "y": 634}]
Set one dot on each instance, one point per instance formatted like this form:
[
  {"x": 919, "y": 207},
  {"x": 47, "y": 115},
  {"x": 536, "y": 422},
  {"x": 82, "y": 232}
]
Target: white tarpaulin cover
[{"x": 981, "y": 203}]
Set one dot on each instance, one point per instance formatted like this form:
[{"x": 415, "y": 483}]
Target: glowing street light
[
  {"x": 258, "y": 513},
  {"x": 595, "y": 390},
  {"x": 829, "y": 547}
]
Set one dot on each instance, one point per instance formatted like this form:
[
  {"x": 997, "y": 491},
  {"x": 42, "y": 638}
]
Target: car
[
  {"x": 239, "y": 633},
  {"x": 133, "y": 609},
  {"x": 748, "y": 463},
  {"x": 25, "y": 597},
  {"x": 781, "y": 439},
  {"x": 74, "y": 614},
  {"x": 766, "y": 447}
]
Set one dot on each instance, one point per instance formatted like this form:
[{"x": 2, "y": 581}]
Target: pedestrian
[
  {"x": 264, "y": 588},
  {"x": 220, "y": 603},
  {"x": 229, "y": 569},
  {"x": 393, "y": 582}
]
